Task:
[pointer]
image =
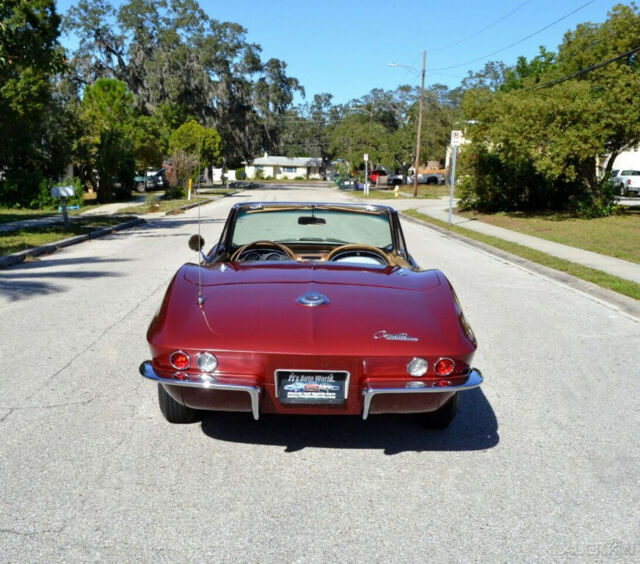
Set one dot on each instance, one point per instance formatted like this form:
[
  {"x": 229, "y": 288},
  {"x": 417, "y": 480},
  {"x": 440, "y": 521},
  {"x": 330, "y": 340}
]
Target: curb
[
  {"x": 20, "y": 256},
  {"x": 620, "y": 301}
]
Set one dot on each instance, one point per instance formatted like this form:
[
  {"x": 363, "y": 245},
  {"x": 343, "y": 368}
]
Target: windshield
[{"x": 313, "y": 226}]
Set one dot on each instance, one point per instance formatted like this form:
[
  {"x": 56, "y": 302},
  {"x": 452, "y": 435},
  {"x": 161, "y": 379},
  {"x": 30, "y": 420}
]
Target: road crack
[{"x": 102, "y": 334}]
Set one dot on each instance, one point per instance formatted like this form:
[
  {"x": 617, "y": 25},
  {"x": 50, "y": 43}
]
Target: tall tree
[
  {"x": 171, "y": 52},
  {"x": 29, "y": 59},
  {"x": 107, "y": 113}
]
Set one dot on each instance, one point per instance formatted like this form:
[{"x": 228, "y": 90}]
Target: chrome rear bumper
[
  {"x": 254, "y": 392},
  {"x": 474, "y": 379}
]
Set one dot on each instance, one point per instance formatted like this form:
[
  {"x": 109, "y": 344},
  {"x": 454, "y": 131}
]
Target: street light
[{"x": 417, "y": 163}]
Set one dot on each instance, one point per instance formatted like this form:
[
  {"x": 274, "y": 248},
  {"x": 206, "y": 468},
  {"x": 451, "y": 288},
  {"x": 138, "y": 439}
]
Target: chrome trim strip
[
  {"x": 147, "y": 371},
  {"x": 473, "y": 381}
]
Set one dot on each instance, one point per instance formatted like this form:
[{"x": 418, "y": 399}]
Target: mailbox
[{"x": 63, "y": 192}]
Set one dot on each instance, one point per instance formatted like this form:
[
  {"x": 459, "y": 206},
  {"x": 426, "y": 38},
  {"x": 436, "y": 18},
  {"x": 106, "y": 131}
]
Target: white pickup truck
[{"x": 628, "y": 181}]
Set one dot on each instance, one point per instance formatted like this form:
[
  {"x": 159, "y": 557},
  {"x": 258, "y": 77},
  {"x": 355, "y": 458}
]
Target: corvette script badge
[{"x": 393, "y": 336}]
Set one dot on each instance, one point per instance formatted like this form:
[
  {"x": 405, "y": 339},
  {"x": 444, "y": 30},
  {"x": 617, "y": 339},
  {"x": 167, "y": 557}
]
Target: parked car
[
  {"x": 324, "y": 294},
  {"x": 377, "y": 176},
  {"x": 428, "y": 178},
  {"x": 628, "y": 181},
  {"x": 156, "y": 179},
  {"x": 346, "y": 183},
  {"x": 140, "y": 183},
  {"x": 152, "y": 179},
  {"x": 395, "y": 179}
]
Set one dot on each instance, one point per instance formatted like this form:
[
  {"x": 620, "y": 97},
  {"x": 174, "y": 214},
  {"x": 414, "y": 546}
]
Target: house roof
[{"x": 287, "y": 161}]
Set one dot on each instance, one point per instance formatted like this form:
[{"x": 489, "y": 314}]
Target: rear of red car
[{"x": 311, "y": 339}]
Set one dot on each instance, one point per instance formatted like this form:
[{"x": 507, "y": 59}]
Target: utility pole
[{"x": 415, "y": 171}]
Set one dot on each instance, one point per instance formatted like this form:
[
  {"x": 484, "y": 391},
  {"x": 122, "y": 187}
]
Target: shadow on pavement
[
  {"x": 474, "y": 428},
  {"x": 48, "y": 262},
  {"x": 19, "y": 282}
]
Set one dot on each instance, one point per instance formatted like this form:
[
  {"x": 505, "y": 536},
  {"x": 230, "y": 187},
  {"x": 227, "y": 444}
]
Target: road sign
[
  {"x": 456, "y": 138},
  {"x": 366, "y": 157}
]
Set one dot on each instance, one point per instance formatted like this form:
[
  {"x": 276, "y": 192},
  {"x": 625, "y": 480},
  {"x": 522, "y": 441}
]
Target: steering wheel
[
  {"x": 262, "y": 245},
  {"x": 357, "y": 250}
]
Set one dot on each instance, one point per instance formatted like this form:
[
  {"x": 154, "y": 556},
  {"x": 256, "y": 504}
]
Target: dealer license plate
[{"x": 312, "y": 387}]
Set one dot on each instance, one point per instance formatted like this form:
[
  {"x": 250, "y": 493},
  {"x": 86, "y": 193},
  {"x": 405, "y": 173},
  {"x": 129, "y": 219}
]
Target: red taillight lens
[
  {"x": 180, "y": 376},
  {"x": 179, "y": 360},
  {"x": 444, "y": 367}
]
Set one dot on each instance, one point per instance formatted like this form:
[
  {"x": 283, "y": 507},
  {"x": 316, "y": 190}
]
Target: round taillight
[
  {"x": 179, "y": 360},
  {"x": 207, "y": 362},
  {"x": 444, "y": 367},
  {"x": 417, "y": 367}
]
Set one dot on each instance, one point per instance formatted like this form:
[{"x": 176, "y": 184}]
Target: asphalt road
[{"x": 541, "y": 464}]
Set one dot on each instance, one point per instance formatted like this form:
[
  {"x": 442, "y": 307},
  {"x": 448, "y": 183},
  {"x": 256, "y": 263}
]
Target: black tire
[
  {"x": 173, "y": 411},
  {"x": 140, "y": 187},
  {"x": 432, "y": 180},
  {"x": 442, "y": 418}
]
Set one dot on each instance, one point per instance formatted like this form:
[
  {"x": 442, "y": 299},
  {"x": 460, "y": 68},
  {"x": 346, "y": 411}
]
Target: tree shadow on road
[
  {"x": 24, "y": 281},
  {"x": 474, "y": 428}
]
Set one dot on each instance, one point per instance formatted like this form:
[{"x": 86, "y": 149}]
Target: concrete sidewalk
[
  {"x": 438, "y": 209},
  {"x": 104, "y": 209}
]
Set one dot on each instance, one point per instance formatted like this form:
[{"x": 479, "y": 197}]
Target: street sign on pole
[
  {"x": 453, "y": 177},
  {"x": 456, "y": 138},
  {"x": 366, "y": 175}
]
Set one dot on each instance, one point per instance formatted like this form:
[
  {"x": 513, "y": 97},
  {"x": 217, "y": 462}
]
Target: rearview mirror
[
  {"x": 311, "y": 220},
  {"x": 196, "y": 242}
]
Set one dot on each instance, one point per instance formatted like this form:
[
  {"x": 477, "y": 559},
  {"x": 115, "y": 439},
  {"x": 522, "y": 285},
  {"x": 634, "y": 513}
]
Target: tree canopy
[
  {"x": 540, "y": 136},
  {"x": 171, "y": 53}
]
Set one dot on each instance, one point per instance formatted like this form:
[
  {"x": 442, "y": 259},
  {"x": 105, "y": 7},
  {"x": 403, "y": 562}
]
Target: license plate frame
[{"x": 312, "y": 387}]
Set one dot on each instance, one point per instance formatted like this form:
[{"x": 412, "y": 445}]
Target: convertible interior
[
  {"x": 265, "y": 232},
  {"x": 349, "y": 253}
]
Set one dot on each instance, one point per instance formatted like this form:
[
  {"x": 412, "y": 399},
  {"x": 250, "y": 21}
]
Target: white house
[
  {"x": 285, "y": 167},
  {"x": 629, "y": 159}
]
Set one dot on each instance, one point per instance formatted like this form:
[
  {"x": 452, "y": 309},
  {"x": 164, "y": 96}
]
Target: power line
[
  {"x": 584, "y": 71},
  {"x": 481, "y": 31},
  {"x": 517, "y": 42}
]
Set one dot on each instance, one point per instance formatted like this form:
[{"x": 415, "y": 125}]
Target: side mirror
[{"x": 196, "y": 242}]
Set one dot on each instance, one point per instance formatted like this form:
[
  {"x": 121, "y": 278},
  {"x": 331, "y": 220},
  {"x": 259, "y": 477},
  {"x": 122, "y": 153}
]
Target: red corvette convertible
[{"x": 305, "y": 308}]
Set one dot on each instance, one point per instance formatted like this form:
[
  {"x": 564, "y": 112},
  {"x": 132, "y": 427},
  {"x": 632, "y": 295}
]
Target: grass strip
[
  {"x": 155, "y": 204},
  {"x": 617, "y": 235},
  {"x": 620, "y": 285},
  {"x": 27, "y": 238}
]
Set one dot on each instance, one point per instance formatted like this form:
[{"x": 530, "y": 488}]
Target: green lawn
[
  {"x": 22, "y": 239},
  {"x": 7, "y": 215},
  {"x": 598, "y": 277},
  {"x": 155, "y": 204},
  {"x": 617, "y": 235}
]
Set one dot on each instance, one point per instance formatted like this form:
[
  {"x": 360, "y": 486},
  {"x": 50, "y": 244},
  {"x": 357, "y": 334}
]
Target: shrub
[
  {"x": 176, "y": 192},
  {"x": 241, "y": 174},
  {"x": 21, "y": 189}
]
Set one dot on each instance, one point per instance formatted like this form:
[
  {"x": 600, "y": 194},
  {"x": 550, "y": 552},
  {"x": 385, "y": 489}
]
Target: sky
[{"x": 344, "y": 46}]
